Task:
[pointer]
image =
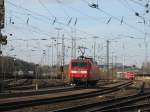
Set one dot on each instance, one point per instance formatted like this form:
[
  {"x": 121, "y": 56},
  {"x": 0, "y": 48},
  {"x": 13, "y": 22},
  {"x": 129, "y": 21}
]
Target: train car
[
  {"x": 83, "y": 71},
  {"x": 129, "y": 75}
]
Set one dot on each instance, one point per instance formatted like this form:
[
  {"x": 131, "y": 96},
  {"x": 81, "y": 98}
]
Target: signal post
[{"x": 3, "y": 40}]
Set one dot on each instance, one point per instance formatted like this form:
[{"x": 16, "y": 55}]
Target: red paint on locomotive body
[{"x": 83, "y": 71}]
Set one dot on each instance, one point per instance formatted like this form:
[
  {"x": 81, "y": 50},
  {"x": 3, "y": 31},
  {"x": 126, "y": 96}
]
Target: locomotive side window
[{"x": 79, "y": 64}]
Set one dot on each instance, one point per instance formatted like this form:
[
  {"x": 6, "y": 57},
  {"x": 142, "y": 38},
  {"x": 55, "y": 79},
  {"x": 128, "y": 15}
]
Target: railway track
[
  {"x": 145, "y": 107},
  {"x": 85, "y": 106},
  {"x": 28, "y": 102},
  {"x": 38, "y": 92},
  {"x": 127, "y": 104},
  {"x": 29, "y": 90},
  {"x": 28, "y": 85},
  {"x": 20, "y": 84},
  {"x": 123, "y": 104}
]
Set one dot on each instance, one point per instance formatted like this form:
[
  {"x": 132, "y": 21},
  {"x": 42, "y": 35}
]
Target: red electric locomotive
[{"x": 83, "y": 70}]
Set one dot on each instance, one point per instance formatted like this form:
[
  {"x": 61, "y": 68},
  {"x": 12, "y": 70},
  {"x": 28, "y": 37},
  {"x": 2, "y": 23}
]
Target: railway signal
[
  {"x": 2, "y": 13},
  {"x": 3, "y": 40}
]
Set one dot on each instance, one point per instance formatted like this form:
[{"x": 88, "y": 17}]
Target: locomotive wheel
[{"x": 93, "y": 83}]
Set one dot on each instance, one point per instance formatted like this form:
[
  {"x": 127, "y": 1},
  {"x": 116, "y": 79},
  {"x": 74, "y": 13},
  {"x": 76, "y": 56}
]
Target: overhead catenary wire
[
  {"x": 65, "y": 12},
  {"x": 83, "y": 13},
  {"x": 33, "y": 29},
  {"x": 126, "y": 5},
  {"x": 34, "y": 26},
  {"x": 46, "y": 8},
  {"x": 43, "y": 16},
  {"x": 136, "y": 2},
  {"x": 60, "y": 23},
  {"x": 25, "y": 9},
  {"x": 118, "y": 19},
  {"x": 144, "y": 5}
]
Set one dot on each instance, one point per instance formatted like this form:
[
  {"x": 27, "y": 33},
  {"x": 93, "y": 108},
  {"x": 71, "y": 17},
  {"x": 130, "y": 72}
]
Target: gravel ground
[
  {"x": 146, "y": 88},
  {"x": 46, "y": 108},
  {"x": 46, "y": 96},
  {"x": 121, "y": 93}
]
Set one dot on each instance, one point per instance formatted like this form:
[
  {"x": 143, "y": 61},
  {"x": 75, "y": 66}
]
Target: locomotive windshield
[{"x": 79, "y": 64}]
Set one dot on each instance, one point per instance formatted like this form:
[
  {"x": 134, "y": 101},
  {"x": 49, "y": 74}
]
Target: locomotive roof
[
  {"x": 84, "y": 59},
  {"x": 79, "y": 59}
]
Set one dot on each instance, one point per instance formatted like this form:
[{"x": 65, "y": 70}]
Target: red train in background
[
  {"x": 83, "y": 71},
  {"x": 129, "y": 75},
  {"x": 126, "y": 75}
]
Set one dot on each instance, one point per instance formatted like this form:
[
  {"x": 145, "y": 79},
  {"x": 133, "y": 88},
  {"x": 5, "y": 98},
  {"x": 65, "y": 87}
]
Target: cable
[
  {"x": 80, "y": 12},
  {"x": 20, "y": 7},
  {"x": 126, "y": 5},
  {"x": 34, "y": 29},
  {"x": 46, "y": 8},
  {"x": 137, "y": 3},
  {"x": 65, "y": 12},
  {"x": 130, "y": 26},
  {"x": 43, "y": 16}
]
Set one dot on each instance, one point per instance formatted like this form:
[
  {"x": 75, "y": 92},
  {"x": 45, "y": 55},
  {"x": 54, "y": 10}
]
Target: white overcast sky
[{"x": 33, "y": 19}]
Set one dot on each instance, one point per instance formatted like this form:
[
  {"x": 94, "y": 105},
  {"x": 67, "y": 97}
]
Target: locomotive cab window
[{"x": 79, "y": 64}]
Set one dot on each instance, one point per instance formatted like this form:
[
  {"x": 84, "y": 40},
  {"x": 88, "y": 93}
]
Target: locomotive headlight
[
  {"x": 73, "y": 71},
  {"x": 84, "y": 72}
]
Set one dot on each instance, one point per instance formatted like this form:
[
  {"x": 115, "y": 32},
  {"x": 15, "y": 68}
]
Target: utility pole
[
  {"x": 75, "y": 35},
  {"x": 108, "y": 59},
  {"x": 115, "y": 64},
  {"x": 146, "y": 48},
  {"x": 94, "y": 47},
  {"x": 73, "y": 43},
  {"x": 63, "y": 57},
  {"x": 58, "y": 34},
  {"x": 75, "y": 46},
  {"x": 52, "y": 53},
  {"x": 123, "y": 69},
  {"x": 36, "y": 74},
  {"x": 72, "y": 47},
  {"x": 112, "y": 63}
]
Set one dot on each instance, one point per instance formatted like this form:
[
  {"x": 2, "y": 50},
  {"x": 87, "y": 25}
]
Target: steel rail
[
  {"x": 34, "y": 102},
  {"x": 126, "y": 102},
  {"x": 45, "y": 90},
  {"x": 85, "y": 106},
  {"x": 38, "y": 92},
  {"x": 136, "y": 107},
  {"x": 111, "y": 105}
]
